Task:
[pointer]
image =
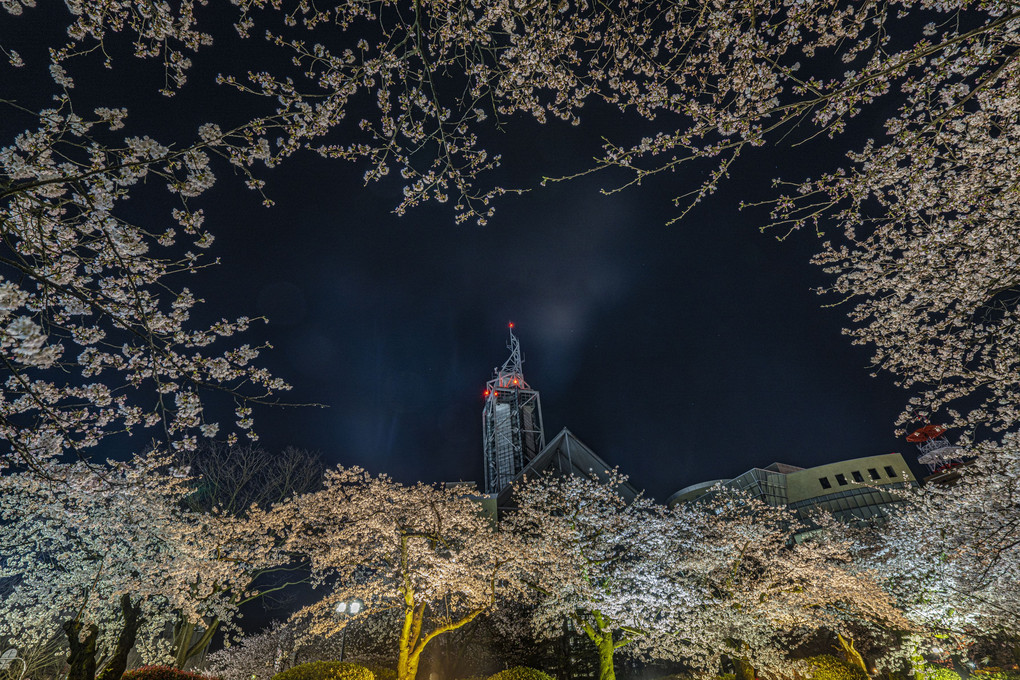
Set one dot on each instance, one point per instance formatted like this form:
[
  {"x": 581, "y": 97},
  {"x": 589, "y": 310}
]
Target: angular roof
[{"x": 564, "y": 455}]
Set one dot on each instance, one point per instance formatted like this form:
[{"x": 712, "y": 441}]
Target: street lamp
[
  {"x": 9, "y": 657},
  {"x": 347, "y": 608}
]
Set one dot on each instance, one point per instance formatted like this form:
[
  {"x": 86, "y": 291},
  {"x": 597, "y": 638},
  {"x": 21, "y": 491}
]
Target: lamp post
[
  {"x": 347, "y": 608},
  {"x": 9, "y": 657}
]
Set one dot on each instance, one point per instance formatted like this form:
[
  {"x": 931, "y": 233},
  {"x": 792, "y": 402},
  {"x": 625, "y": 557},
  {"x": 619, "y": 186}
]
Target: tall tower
[{"x": 511, "y": 421}]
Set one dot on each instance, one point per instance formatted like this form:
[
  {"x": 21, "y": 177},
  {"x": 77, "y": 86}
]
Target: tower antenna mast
[{"x": 512, "y": 430}]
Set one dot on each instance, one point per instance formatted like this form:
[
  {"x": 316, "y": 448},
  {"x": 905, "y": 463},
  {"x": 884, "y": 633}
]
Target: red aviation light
[
  {"x": 486, "y": 393},
  {"x": 511, "y": 324},
  {"x": 515, "y": 381}
]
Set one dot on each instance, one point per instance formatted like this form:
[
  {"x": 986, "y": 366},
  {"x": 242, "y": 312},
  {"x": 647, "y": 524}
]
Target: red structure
[{"x": 936, "y": 451}]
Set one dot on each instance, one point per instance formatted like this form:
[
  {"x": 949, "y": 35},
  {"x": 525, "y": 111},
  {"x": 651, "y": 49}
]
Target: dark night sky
[{"x": 680, "y": 353}]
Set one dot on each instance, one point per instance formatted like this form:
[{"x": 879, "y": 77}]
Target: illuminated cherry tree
[
  {"x": 923, "y": 213},
  {"x": 609, "y": 567},
  {"x": 260, "y": 656},
  {"x": 425, "y": 553},
  {"x": 952, "y": 557},
  {"x": 110, "y": 556},
  {"x": 773, "y": 582},
  {"x": 720, "y": 578},
  {"x": 95, "y": 326}
]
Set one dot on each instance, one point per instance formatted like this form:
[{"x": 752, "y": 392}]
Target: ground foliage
[
  {"x": 163, "y": 673},
  {"x": 521, "y": 673},
  {"x": 325, "y": 670},
  {"x": 828, "y": 667}
]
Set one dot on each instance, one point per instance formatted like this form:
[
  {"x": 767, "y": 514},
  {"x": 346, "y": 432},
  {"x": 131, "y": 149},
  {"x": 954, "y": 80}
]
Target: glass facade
[
  {"x": 763, "y": 484},
  {"x": 853, "y": 491},
  {"x": 853, "y": 506}
]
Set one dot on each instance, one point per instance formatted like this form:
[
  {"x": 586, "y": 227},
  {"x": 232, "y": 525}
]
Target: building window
[
  {"x": 841, "y": 478},
  {"x": 874, "y": 474},
  {"x": 889, "y": 471},
  {"x": 858, "y": 477},
  {"x": 824, "y": 481}
]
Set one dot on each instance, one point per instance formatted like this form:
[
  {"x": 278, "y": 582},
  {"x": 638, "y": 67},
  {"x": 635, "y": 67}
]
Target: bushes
[
  {"x": 940, "y": 673},
  {"x": 521, "y": 673},
  {"x": 325, "y": 670},
  {"x": 992, "y": 673},
  {"x": 381, "y": 672},
  {"x": 161, "y": 673},
  {"x": 828, "y": 667}
]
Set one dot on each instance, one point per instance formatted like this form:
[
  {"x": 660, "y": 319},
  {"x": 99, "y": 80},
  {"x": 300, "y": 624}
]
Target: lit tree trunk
[
  {"x": 184, "y": 634},
  {"x": 602, "y": 635},
  {"x": 743, "y": 670},
  {"x": 410, "y": 634},
  {"x": 607, "y": 668},
  {"x": 741, "y": 667},
  {"x": 850, "y": 654},
  {"x": 82, "y": 654},
  {"x": 132, "y": 621},
  {"x": 412, "y": 641}
]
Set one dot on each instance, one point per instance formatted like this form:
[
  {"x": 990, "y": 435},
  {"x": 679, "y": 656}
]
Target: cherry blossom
[
  {"x": 427, "y": 554},
  {"x": 86, "y": 544}
]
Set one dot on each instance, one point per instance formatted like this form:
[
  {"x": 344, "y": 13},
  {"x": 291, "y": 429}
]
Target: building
[
  {"x": 858, "y": 491},
  {"x": 513, "y": 438},
  {"x": 512, "y": 429},
  {"x": 564, "y": 455}
]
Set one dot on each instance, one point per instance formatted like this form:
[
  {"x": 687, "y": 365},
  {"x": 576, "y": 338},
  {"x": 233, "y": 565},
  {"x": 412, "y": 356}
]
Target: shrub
[
  {"x": 326, "y": 670},
  {"x": 994, "y": 673},
  {"x": 161, "y": 673},
  {"x": 828, "y": 667},
  {"x": 940, "y": 673},
  {"x": 382, "y": 673},
  {"x": 521, "y": 673}
]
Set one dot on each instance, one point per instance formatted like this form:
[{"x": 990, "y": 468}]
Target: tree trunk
[
  {"x": 81, "y": 656},
  {"x": 850, "y": 654},
  {"x": 742, "y": 669},
  {"x": 960, "y": 667},
  {"x": 184, "y": 647},
  {"x": 183, "y": 632},
  {"x": 407, "y": 661},
  {"x": 132, "y": 621},
  {"x": 607, "y": 669}
]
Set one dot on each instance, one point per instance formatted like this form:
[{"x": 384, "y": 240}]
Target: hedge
[
  {"x": 940, "y": 673},
  {"x": 521, "y": 673},
  {"x": 162, "y": 673},
  {"x": 326, "y": 670},
  {"x": 828, "y": 667},
  {"x": 381, "y": 672}
]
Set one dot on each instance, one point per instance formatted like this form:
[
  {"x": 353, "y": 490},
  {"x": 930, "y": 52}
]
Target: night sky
[{"x": 679, "y": 353}]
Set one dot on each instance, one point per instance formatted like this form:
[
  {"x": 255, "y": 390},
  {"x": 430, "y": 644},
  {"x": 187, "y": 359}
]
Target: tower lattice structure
[{"x": 511, "y": 421}]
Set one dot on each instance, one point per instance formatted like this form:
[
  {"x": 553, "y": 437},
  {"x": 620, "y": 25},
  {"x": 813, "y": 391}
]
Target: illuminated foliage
[
  {"x": 81, "y": 539},
  {"x": 326, "y": 670},
  {"x": 426, "y": 554}
]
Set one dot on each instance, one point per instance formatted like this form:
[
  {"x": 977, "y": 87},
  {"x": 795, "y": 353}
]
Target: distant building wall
[{"x": 861, "y": 490}]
